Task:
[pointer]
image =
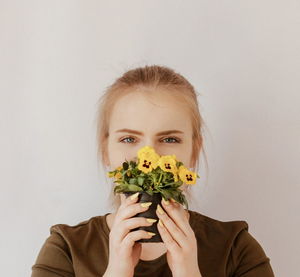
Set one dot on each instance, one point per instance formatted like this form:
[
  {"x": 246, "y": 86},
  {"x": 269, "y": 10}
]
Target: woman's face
[{"x": 145, "y": 116}]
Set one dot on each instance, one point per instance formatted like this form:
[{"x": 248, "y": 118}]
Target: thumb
[{"x": 122, "y": 197}]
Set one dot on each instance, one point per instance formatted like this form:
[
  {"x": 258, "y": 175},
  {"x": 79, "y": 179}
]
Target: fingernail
[
  {"x": 151, "y": 234},
  {"x": 160, "y": 223},
  {"x": 160, "y": 210},
  {"x": 146, "y": 204},
  {"x": 132, "y": 197},
  {"x": 151, "y": 220},
  {"x": 173, "y": 200},
  {"x": 166, "y": 202}
]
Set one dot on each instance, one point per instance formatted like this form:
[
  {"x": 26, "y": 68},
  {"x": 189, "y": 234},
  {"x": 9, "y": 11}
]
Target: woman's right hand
[{"x": 124, "y": 253}]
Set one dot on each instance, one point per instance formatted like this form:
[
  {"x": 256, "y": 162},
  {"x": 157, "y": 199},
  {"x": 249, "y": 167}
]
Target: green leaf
[
  {"x": 134, "y": 188},
  {"x": 170, "y": 184},
  {"x": 125, "y": 165},
  {"x": 119, "y": 188},
  {"x": 183, "y": 199},
  {"x": 118, "y": 181},
  {"x": 149, "y": 192},
  {"x": 178, "y": 184},
  {"x": 132, "y": 164},
  {"x": 178, "y": 164},
  {"x": 133, "y": 181},
  {"x": 141, "y": 181},
  {"x": 166, "y": 194}
]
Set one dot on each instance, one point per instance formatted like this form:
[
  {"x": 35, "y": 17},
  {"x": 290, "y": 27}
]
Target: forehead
[{"x": 155, "y": 111}]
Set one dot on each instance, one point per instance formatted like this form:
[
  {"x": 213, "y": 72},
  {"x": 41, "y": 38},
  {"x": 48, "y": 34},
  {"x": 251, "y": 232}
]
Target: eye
[
  {"x": 130, "y": 140},
  {"x": 175, "y": 140},
  {"x": 122, "y": 140}
]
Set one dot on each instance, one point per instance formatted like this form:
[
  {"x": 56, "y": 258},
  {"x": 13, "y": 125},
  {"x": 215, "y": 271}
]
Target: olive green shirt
[{"x": 224, "y": 249}]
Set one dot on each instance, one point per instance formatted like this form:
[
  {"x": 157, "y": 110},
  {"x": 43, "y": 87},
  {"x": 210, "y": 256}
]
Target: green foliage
[{"x": 131, "y": 179}]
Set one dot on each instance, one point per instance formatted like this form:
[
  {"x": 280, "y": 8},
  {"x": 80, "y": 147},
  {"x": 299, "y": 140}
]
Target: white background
[{"x": 56, "y": 59}]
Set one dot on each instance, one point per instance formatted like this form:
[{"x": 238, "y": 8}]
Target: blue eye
[
  {"x": 122, "y": 140},
  {"x": 173, "y": 140}
]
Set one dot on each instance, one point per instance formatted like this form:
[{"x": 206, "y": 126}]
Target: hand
[
  {"x": 124, "y": 252},
  {"x": 179, "y": 239}
]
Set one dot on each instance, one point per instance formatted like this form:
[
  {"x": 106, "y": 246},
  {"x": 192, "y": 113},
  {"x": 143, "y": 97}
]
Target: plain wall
[{"x": 57, "y": 57}]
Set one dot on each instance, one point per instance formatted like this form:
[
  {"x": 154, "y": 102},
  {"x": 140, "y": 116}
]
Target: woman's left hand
[{"x": 179, "y": 239}]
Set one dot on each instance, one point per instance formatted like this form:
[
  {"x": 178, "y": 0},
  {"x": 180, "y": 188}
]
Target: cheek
[
  {"x": 118, "y": 153},
  {"x": 114, "y": 155},
  {"x": 184, "y": 157}
]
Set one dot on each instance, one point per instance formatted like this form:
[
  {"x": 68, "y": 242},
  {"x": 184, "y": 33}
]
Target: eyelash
[{"x": 177, "y": 140}]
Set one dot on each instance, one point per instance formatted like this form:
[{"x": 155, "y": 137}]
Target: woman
[{"x": 158, "y": 107}]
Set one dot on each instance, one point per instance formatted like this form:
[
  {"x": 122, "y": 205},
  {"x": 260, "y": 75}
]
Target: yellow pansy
[
  {"x": 118, "y": 175},
  {"x": 175, "y": 177},
  {"x": 110, "y": 174},
  {"x": 144, "y": 150},
  {"x": 168, "y": 163},
  {"x": 148, "y": 159},
  {"x": 186, "y": 175}
]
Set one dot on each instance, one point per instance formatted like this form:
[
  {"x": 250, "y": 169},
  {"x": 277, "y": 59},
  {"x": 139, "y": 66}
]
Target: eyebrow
[{"x": 168, "y": 132}]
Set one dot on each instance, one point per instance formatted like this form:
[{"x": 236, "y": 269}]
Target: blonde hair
[{"x": 148, "y": 78}]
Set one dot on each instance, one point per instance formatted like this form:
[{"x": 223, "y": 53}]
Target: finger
[
  {"x": 178, "y": 214},
  {"x": 187, "y": 214},
  {"x": 125, "y": 226},
  {"x": 172, "y": 228},
  {"x": 122, "y": 197},
  {"x": 170, "y": 243},
  {"x": 126, "y": 212},
  {"x": 129, "y": 199},
  {"x": 131, "y": 237}
]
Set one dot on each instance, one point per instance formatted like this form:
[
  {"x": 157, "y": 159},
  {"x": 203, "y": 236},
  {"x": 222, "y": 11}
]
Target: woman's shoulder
[
  {"x": 206, "y": 224},
  {"x": 90, "y": 227},
  {"x": 66, "y": 244},
  {"x": 229, "y": 241},
  {"x": 215, "y": 231}
]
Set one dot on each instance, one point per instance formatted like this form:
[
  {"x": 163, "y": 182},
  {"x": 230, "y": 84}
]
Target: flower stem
[
  {"x": 154, "y": 179},
  {"x": 159, "y": 178}
]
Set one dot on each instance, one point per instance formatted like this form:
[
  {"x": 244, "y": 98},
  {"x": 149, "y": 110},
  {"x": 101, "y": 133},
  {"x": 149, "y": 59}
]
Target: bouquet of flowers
[{"x": 152, "y": 174}]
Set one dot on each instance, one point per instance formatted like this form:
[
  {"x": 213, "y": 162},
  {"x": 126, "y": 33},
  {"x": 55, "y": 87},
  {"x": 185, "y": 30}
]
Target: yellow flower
[
  {"x": 118, "y": 175},
  {"x": 148, "y": 159},
  {"x": 110, "y": 174},
  {"x": 168, "y": 163},
  {"x": 175, "y": 177},
  {"x": 186, "y": 175}
]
